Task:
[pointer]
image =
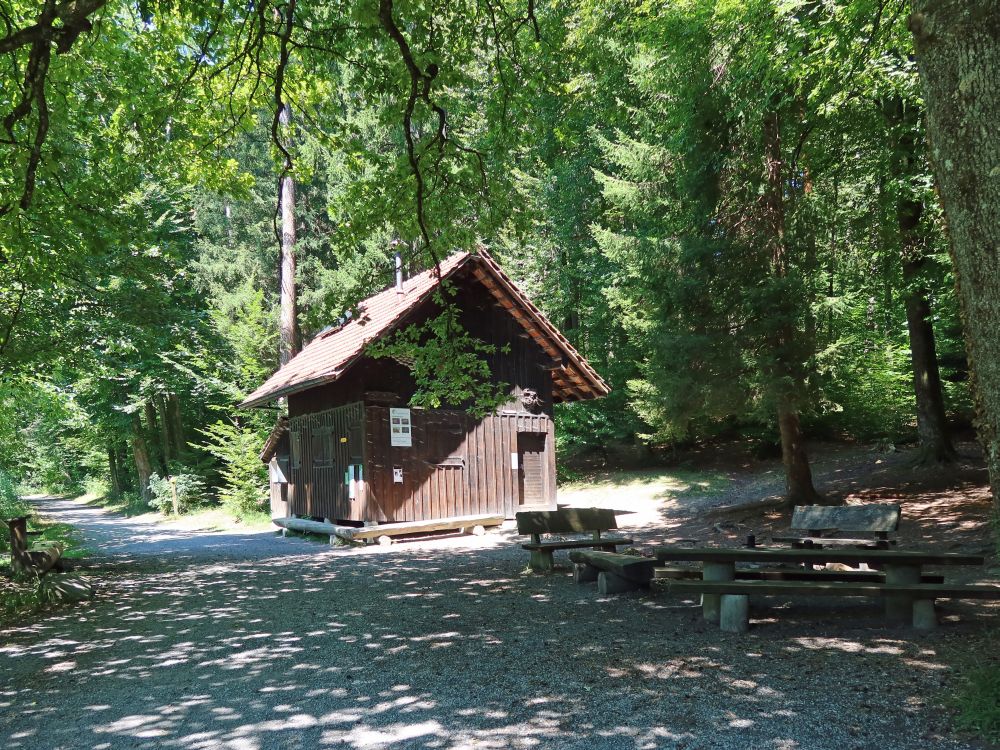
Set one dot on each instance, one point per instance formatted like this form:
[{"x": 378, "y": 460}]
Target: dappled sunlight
[
  {"x": 417, "y": 647},
  {"x": 448, "y": 642}
]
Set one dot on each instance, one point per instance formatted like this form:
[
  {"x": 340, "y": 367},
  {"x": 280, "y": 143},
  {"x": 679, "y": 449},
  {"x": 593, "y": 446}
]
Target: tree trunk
[
  {"x": 176, "y": 423},
  {"x": 166, "y": 445},
  {"x": 156, "y": 455},
  {"x": 289, "y": 325},
  {"x": 799, "y": 488},
  {"x": 932, "y": 425},
  {"x": 958, "y": 53},
  {"x": 116, "y": 484},
  {"x": 902, "y": 122},
  {"x": 140, "y": 451},
  {"x": 786, "y": 375}
]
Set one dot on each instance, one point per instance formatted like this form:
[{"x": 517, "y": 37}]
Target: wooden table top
[{"x": 784, "y": 554}]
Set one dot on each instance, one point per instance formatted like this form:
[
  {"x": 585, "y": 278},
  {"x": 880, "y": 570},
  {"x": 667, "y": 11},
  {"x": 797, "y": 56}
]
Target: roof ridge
[{"x": 327, "y": 356}]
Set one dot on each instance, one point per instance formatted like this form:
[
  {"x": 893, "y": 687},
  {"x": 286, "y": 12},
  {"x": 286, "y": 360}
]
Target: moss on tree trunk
[{"x": 958, "y": 53}]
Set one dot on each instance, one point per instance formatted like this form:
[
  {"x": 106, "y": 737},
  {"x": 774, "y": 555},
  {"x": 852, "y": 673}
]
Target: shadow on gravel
[{"x": 459, "y": 648}]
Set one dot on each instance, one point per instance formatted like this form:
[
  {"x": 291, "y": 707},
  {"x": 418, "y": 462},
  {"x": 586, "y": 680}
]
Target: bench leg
[
  {"x": 924, "y": 616},
  {"x": 715, "y": 571},
  {"x": 583, "y": 573},
  {"x": 541, "y": 561},
  {"x": 899, "y": 607},
  {"x": 609, "y": 583},
  {"x": 734, "y": 613}
]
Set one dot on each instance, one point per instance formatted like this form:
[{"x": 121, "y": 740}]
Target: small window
[{"x": 322, "y": 445}]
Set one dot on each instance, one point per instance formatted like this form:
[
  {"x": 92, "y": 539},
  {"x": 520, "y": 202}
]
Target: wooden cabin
[{"x": 351, "y": 450}]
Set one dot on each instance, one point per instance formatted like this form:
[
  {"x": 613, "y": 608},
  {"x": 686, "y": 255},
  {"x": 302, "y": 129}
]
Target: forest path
[
  {"x": 111, "y": 535},
  {"x": 252, "y": 642}
]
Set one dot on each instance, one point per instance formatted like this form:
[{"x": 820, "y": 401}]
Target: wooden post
[
  {"x": 19, "y": 560},
  {"x": 173, "y": 494}
]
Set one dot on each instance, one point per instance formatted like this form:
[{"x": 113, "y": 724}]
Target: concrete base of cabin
[{"x": 383, "y": 533}]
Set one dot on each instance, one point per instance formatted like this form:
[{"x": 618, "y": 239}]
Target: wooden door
[{"x": 531, "y": 468}]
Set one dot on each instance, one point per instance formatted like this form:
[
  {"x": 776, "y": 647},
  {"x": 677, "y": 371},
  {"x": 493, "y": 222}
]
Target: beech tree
[{"x": 958, "y": 51}]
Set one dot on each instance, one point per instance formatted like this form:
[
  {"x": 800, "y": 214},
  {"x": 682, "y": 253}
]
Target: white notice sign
[{"x": 400, "y": 428}]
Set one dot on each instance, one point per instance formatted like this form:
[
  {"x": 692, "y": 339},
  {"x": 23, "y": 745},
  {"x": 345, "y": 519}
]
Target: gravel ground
[
  {"x": 255, "y": 642},
  {"x": 112, "y": 537}
]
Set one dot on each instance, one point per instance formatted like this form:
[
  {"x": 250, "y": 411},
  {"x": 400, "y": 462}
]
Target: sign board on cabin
[{"x": 400, "y": 428}]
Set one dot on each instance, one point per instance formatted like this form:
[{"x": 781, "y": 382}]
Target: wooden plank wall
[
  {"x": 458, "y": 465},
  {"x": 329, "y": 441}
]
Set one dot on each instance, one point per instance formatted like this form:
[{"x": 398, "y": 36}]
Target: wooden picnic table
[{"x": 901, "y": 567}]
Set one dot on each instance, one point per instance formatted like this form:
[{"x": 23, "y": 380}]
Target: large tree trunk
[
  {"x": 786, "y": 374},
  {"x": 932, "y": 425},
  {"x": 116, "y": 483},
  {"x": 902, "y": 121},
  {"x": 140, "y": 451},
  {"x": 166, "y": 445},
  {"x": 289, "y": 325},
  {"x": 157, "y": 455},
  {"x": 958, "y": 53},
  {"x": 176, "y": 423}
]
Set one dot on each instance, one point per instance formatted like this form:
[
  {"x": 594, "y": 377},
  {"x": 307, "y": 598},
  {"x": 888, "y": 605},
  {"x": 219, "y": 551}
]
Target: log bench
[
  {"x": 37, "y": 560},
  {"x": 384, "y": 533},
  {"x": 613, "y": 572},
  {"x": 592, "y": 521},
  {"x": 734, "y": 595},
  {"x": 816, "y": 523}
]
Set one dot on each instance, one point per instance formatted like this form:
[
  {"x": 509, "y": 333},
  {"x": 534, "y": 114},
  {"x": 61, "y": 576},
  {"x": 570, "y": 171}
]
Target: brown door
[{"x": 531, "y": 468}]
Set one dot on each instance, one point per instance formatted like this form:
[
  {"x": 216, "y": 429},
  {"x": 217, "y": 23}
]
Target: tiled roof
[{"x": 327, "y": 356}]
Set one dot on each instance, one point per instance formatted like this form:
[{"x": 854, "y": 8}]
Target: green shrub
[
  {"x": 244, "y": 491},
  {"x": 11, "y": 504},
  {"x": 978, "y": 702},
  {"x": 96, "y": 486},
  {"x": 189, "y": 487}
]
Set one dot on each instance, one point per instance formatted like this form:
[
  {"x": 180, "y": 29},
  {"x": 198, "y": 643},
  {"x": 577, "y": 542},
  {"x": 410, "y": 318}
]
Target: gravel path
[
  {"x": 110, "y": 535},
  {"x": 446, "y": 644}
]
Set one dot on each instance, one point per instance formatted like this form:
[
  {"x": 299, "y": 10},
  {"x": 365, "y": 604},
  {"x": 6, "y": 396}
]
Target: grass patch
[
  {"x": 976, "y": 701},
  {"x": 127, "y": 504},
  {"x": 209, "y": 517},
  {"x": 21, "y": 596},
  {"x": 643, "y": 484}
]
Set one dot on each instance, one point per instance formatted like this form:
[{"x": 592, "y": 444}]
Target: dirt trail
[
  {"x": 111, "y": 535},
  {"x": 252, "y": 642}
]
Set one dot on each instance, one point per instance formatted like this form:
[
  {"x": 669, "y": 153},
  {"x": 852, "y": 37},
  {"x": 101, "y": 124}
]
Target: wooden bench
[
  {"x": 593, "y": 521},
  {"x": 613, "y": 572},
  {"x": 790, "y": 574},
  {"x": 24, "y": 560},
  {"x": 816, "y": 523},
  {"x": 901, "y": 568},
  {"x": 734, "y": 609}
]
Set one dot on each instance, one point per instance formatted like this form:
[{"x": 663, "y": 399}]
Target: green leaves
[{"x": 449, "y": 365}]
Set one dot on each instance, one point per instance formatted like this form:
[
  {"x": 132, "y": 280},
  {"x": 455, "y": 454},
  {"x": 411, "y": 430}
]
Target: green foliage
[
  {"x": 244, "y": 489},
  {"x": 188, "y": 488},
  {"x": 977, "y": 701},
  {"x": 449, "y": 365},
  {"x": 11, "y": 504},
  {"x": 611, "y": 154}
]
